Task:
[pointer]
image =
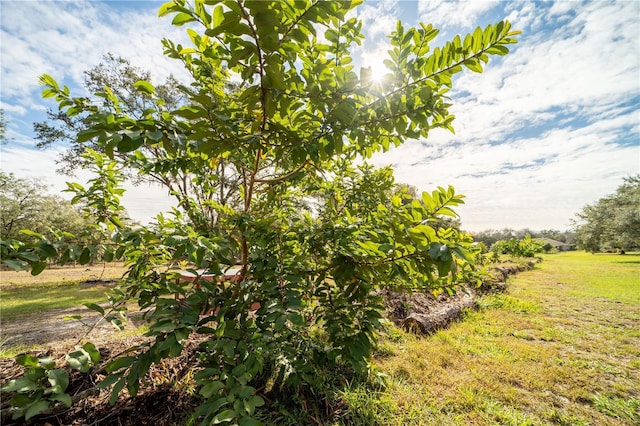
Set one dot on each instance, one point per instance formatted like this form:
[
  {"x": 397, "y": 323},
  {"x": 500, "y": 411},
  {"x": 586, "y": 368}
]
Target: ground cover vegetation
[
  {"x": 560, "y": 346},
  {"x": 315, "y": 236},
  {"x": 524, "y": 247}
]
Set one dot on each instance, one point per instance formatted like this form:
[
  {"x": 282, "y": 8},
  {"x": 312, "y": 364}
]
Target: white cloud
[
  {"x": 16, "y": 109},
  {"x": 464, "y": 13},
  {"x": 537, "y": 183},
  {"x": 378, "y": 18},
  {"x": 591, "y": 59},
  {"x": 72, "y": 37}
]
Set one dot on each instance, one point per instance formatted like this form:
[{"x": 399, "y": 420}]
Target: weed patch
[{"x": 621, "y": 408}]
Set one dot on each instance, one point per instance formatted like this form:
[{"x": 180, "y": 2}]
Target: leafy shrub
[
  {"x": 316, "y": 233},
  {"x": 525, "y": 247}
]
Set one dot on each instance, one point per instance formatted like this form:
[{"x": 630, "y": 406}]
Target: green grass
[
  {"x": 23, "y": 301},
  {"x": 562, "y": 346},
  {"x": 22, "y": 295}
]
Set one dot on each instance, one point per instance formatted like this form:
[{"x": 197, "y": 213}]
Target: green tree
[
  {"x": 491, "y": 236},
  {"x": 116, "y": 78},
  {"x": 293, "y": 129},
  {"x": 119, "y": 76},
  {"x": 613, "y": 222},
  {"x": 25, "y": 204}
]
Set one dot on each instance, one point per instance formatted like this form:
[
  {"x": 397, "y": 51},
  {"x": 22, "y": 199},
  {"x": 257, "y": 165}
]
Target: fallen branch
[{"x": 427, "y": 323}]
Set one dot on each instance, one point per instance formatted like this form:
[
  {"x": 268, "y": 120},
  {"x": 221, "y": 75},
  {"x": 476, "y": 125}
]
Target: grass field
[
  {"x": 21, "y": 294},
  {"x": 561, "y": 347}
]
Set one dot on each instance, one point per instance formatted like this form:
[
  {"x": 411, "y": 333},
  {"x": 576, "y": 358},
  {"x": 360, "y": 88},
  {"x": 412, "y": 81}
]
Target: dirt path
[{"x": 56, "y": 328}]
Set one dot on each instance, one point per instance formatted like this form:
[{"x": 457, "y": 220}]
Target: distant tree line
[
  {"x": 490, "y": 236},
  {"x": 611, "y": 224}
]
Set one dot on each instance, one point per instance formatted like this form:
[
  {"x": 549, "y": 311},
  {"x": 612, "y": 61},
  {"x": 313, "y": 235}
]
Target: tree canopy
[
  {"x": 317, "y": 233},
  {"x": 26, "y": 204},
  {"x": 613, "y": 222}
]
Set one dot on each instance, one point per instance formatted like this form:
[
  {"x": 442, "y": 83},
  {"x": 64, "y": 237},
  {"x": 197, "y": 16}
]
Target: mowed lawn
[
  {"x": 23, "y": 295},
  {"x": 561, "y": 347}
]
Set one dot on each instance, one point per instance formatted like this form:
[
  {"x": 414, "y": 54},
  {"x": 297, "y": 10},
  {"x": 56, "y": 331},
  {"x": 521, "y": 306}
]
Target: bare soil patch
[{"x": 57, "y": 328}]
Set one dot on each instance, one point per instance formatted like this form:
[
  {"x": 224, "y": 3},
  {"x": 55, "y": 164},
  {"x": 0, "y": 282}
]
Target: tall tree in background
[
  {"x": 115, "y": 78},
  {"x": 613, "y": 222},
  {"x": 119, "y": 76},
  {"x": 296, "y": 126},
  {"x": 25, "y": 204}
]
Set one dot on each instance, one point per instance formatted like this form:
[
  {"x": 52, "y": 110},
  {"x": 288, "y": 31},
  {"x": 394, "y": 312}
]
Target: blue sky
[{"x": 542, "y": 132}]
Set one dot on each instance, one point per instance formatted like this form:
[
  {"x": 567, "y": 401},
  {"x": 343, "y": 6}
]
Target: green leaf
[
  {"x": 47, "y": 362},
  {"x": 155, "y": 136},
  {"x": 497, "y": 50},
  {"x": 162, "y": 327},
  {"x": 38, "y": 267},
  {"x": 22, "y": 384},
  {"x": 35, "y": 409},
  {"x": 59, "y": 378},
  {"x": 48, "y": 80},
  {"x": 63, "y": 397},
  {"x": 108, "y": 256},
  {"x": 87, "y": 134},
  {"x": 182, "y": 18},
  {"x": 166, "y": 8},
  {"x": 85, "y": 256},
  {"x": 249, "y": 421},
  {"x": 224, "y": 416},
  {"x": 28, "y": 256},
  {"x": 94, "y": 307},
  {"x": 109, "y": 380},
  {"x": 27, "y": 360},
  {"x": 119, "y": 363},
  {"x": 211, "y": 388},
  {"x": 144, "y": 86},
  {"x": 128, "y": 144},
  {"x": 47, "y": 251},
  {"x": 31, "y": 234},
  {"x": 473, "y": 64},
  {"x": 72, "y": 317},
  {"x": 117, "y": 388},
  {"x": 16, "y": 265},
  {"x": 79, "y": 360},
  {"x": 218, "y": 16},
  {"x": 93, "y": 352}
]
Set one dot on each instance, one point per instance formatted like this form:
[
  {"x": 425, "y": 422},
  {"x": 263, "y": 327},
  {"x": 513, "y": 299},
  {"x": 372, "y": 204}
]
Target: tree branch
[{"x": 283, "y": 177}]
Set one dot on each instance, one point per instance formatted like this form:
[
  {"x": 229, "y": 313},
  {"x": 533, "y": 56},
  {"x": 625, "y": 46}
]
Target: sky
[{"x": 549, "y": 128}]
